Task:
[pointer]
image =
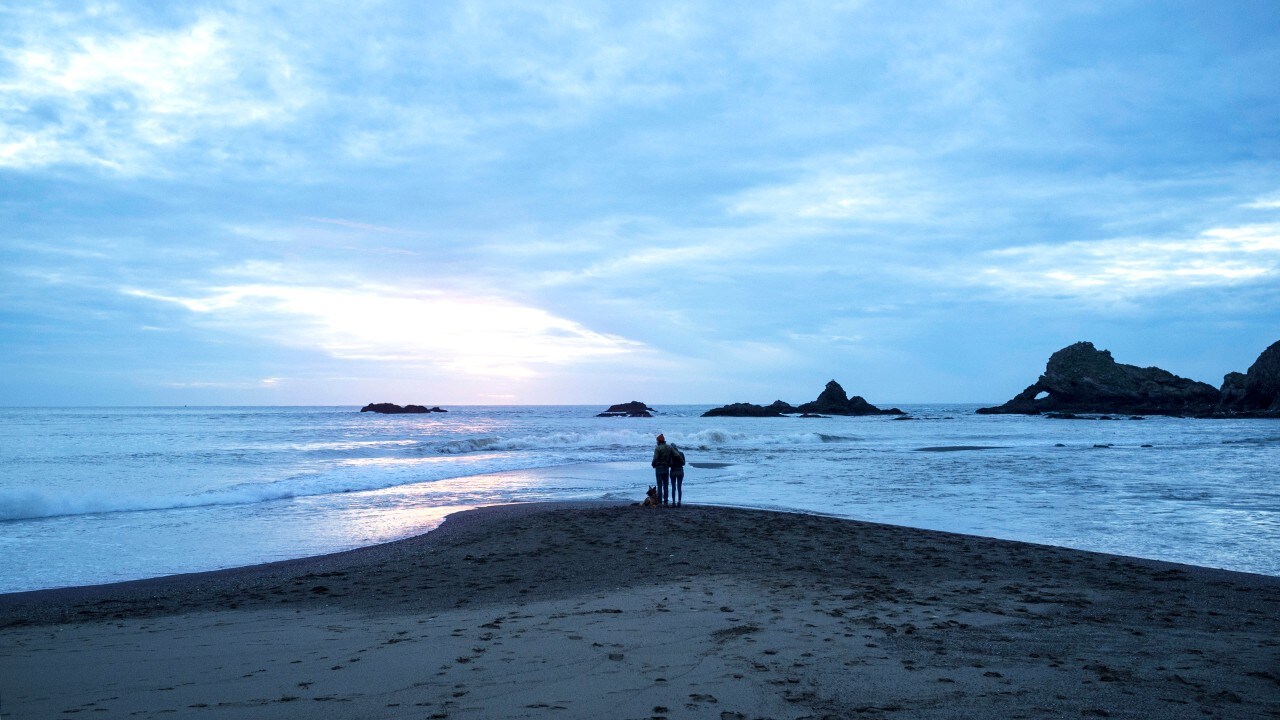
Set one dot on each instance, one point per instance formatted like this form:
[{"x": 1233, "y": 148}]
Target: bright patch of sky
[{"x": 591, "y": 202}]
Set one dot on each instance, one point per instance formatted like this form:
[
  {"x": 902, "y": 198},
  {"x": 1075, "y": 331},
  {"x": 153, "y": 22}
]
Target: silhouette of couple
[{"x": 668, "y": 466}]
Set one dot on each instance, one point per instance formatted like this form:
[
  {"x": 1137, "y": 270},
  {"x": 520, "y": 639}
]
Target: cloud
[
  {"x": 270, "y": 382},
  {"x": 868, "y": 197},
  {"x": 454, "y": 332},
  {"x": 1270, "y": 202},
  {"x": 1125, "y": 267},
  {"x": 499, "y": 186},
  {"x": 701, "y": 257},
  {"x": 117, "y": 98},
  {"x": 566, "y": 52},
  {"x": 119, "y": 88},
  {"x": 356, "y": 225}
]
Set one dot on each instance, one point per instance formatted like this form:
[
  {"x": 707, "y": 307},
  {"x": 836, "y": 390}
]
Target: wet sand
[{"x": 609, "y": 611}]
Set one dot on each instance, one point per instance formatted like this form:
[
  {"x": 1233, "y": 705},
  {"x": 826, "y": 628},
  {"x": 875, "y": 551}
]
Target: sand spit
[{"x": 608, "y": 611}]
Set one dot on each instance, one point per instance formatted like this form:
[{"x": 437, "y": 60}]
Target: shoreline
[
  {"x": 140, "y": 586},
  {"x": 605, "y": 609},
  {"x": 153, "y": 589}
]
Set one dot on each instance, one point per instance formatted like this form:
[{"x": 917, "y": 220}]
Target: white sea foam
[
  {"x": 350, "y": 476},
  {"x": 353, "y": 445},
  {"x": 31, "y": 504},
  {"x": 629, "y": 439}
]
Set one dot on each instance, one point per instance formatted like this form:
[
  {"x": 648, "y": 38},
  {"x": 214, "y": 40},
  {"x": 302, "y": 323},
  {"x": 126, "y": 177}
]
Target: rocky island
[
  {"x": 393, "y": 409},
  {"x": 832, "y": 401},
  {"x": 1255, "y": 393},
  {"x": 1083, "y": 379},
  {"x": 635, "y": 408}
]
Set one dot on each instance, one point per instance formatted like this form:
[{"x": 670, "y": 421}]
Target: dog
[{"x": 651, "y": 499}]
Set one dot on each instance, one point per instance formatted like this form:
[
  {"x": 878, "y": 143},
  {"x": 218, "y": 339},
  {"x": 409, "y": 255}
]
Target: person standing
[
  {"x": 662, "y": 468},
  {"x": 677, "y": 475}
]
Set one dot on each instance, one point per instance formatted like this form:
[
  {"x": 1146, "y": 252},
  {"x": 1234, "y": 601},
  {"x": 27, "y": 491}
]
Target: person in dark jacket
[
  {"x": 662, "y": 468},
  {"x": 677, "y": 475}
]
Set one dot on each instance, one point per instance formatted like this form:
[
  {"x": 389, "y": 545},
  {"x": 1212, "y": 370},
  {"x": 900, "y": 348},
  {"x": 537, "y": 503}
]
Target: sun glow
[{"x": 455, "y": 332}]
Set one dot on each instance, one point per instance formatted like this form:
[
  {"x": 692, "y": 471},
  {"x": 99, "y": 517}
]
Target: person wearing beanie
[{"x": 662, "y": 469}]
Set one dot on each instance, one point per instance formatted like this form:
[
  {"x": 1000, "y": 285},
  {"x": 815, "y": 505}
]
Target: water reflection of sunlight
[
  {"x": 404, "y": 461},
  {"x": 403, "y": 522},
  {"x": 374, "y": 516},
  {"x": 479, "y": 426}
]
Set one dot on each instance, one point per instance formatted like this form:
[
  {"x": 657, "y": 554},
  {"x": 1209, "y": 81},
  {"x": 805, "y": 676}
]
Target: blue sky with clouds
[{"x": 592, "y": 202}]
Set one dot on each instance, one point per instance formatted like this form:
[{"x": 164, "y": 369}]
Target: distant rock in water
[
  {"x": 1082, "y": 379},
  {"x": 775, "y": 409},
  {"x": 1255, "y": 393},
  {"x": 393, "y": 409},
  {"x": 832, "y": 401},
  {"x": 635, "y": 408}
]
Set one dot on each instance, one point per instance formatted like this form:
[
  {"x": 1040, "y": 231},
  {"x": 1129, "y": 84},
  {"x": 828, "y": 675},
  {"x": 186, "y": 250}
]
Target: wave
[
  {"x": 1252, "y": 441},
  {"x": 401, "y": 462},
  {"x": 616, "y": 496},
  {"x": 602, "y": 439},
  {"x": 353, "y": 476},
  {"x": 719, "y": 437},
  {"x": 629, "y": 439},
  {"x": 32, "y": 504},
  {"x": 342, "y": 445}
]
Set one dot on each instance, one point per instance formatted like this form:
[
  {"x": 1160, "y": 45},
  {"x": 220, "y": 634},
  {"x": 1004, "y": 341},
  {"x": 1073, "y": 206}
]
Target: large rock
[
  {"x": 393, "y": 409},
  {"x": 1231, "y": 396},
  {"x": 832, "y": 401},
  {"x": 635, "y": 408},
  {"x": 1257, "y": 392},
  {"x": 1082, "y": 379},
  {"x": 775, "y": 409}
]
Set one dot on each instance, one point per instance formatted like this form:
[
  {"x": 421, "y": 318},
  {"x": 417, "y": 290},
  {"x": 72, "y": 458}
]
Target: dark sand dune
[{"x": 613, "y": 611}]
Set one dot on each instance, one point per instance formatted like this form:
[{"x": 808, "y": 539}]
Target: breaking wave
[
  {"x": 1253, "y": 441},
  {"x": 631, "y": 440},
  {"x": 402, "y": 463},
  {"x": 353, "y": 476}
]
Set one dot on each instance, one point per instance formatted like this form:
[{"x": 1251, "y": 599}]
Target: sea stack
[
  {"x": 775, "y": 409},
  {"x": 1255, "y": 393},
  {"x": 393, "y": 409},
  {"x": 1082, "y": 379},
  {"x": 635, "y": 408},
  {"x": 831, "y": 401}
]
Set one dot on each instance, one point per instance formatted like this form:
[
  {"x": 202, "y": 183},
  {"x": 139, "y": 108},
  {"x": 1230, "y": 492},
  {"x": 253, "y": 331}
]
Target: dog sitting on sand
[{"x": 651, "y": 499}]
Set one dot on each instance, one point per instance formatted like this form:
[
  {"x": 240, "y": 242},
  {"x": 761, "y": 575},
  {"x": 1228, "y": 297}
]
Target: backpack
[{"x": 677, "y": 457}]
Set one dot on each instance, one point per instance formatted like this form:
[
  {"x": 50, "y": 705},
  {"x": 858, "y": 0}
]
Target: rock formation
[
  {"x": 1082, "y": 379},
  {"x": 635, "y": 408},
  {"x": 393, "y": 409},
  {"x": 1255, "y": 393},
  {"x": 832, "y": 401},
  {"x": 775, "y": 409},
  {"x": 1231, "y": 396}
]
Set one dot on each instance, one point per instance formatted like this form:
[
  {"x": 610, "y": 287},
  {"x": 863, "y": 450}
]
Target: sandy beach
[{"x": 613, "y": 611}]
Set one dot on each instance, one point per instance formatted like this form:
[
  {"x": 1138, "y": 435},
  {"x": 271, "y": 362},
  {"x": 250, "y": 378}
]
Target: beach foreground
[{"x": 586, "y": 610}]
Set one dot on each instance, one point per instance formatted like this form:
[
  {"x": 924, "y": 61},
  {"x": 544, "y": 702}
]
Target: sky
[{"x": 243, "y": 203}]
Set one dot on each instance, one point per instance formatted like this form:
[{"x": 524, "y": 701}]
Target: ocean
[{"x": 95, "y": 495}]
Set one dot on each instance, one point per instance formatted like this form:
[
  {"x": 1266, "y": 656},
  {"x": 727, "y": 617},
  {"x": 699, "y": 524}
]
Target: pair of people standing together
[{"x": 668, "y": 466}]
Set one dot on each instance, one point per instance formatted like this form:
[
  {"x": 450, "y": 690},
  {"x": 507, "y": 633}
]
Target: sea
[{"x": 99, "y": 495}]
